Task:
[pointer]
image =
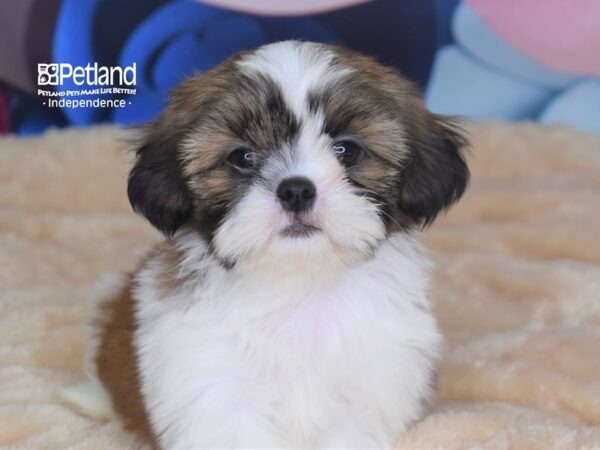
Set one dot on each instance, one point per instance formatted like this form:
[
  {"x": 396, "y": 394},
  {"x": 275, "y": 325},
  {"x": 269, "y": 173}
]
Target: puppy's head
[{"x": 297, "y": 150}]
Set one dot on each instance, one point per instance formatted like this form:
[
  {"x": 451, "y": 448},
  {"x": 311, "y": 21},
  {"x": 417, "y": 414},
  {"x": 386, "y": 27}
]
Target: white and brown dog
[{"x": 288, "y": 306}]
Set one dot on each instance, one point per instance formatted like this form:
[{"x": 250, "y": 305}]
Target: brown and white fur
[{"x": 278, "y": 313}]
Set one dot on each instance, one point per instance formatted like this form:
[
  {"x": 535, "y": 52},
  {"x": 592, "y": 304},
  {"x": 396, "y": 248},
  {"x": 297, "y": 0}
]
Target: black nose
[{"x": 297, "y": 194}]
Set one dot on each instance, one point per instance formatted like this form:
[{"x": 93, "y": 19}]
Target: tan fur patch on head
[
  {"x": 203, "y": 154},
  {"x": 252, "y": 113}
]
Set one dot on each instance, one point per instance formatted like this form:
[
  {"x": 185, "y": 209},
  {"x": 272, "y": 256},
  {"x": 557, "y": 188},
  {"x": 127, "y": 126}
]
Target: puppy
[{"x": 287, "y": 307}]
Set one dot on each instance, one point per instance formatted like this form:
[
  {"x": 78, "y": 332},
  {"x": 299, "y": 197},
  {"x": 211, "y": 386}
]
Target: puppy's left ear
[{"x": 436, "y": 174}]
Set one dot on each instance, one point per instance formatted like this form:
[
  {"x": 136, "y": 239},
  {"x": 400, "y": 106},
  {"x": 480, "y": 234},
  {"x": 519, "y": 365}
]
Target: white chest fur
[{"x": 235, "y": 360}]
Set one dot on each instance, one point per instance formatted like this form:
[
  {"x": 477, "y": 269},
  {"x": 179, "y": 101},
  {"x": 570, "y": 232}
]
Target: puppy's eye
[
  {"x": 242, "y": 158},
  {"x": 347, "y": 152}
]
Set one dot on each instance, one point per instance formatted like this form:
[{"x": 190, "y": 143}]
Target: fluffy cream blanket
[{"x": 517, "y": 285}]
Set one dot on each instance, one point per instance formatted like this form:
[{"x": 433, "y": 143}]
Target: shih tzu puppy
[{"x": 287, "y": 307}]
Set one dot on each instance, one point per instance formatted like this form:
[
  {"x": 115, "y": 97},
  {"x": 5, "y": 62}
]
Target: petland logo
[
  {"x": 92, "y": 75},
  {"x": 90, "y": 86}
]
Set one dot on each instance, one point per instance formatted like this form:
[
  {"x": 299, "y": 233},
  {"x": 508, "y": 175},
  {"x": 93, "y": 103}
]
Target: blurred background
[{"x": 513, "y": 59}]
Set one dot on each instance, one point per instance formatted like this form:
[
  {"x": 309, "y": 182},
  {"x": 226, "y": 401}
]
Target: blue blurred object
[
  {"x": 304, "y": 29},
  {"x": 111, "y": 31},
  {"x": 180, "y": 58},
  {"x": 231, "y": 34}
]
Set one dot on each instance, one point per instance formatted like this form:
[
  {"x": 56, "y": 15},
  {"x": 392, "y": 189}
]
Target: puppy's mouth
[{"x": 299, "y": 229}]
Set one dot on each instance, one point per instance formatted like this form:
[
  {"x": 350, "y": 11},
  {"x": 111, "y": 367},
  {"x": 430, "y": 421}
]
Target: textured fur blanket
[{"x": 517, "y": 287}]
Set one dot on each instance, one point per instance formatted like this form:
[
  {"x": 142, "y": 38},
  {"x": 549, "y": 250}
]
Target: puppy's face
[{"x": 297, "y": 150}]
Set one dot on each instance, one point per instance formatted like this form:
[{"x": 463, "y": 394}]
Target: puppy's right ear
[{"x": 156, "y": 187}]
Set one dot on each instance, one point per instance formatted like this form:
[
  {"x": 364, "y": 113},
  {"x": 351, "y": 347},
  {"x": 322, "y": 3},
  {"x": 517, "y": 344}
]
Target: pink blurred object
[
  {"x": 4, "y": 114},
  {"x": 282, "y": 7},
  {"x": 561, "y": 34}
]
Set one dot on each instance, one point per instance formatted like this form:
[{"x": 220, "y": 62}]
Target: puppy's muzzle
[{"x": 297, "y": 194}]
